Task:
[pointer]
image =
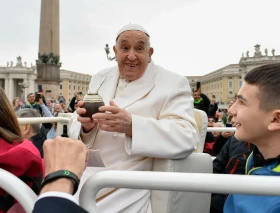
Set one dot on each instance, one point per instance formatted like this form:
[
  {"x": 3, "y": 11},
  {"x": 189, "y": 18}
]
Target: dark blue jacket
[
  {"x": 256, "y": 203},
  {"x": 56, "y": 205}
]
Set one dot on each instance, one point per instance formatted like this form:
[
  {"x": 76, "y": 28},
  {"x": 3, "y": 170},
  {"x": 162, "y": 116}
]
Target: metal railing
[
  {"x": 64, "y": 118},
  {"x": 18, "y": 189},
  {"x": 168, "y": 181}
]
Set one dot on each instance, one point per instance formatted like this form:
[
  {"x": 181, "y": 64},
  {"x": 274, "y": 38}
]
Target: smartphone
[
  {"x": 228, "y": 125},
  {"x": 40, "y": 88}
]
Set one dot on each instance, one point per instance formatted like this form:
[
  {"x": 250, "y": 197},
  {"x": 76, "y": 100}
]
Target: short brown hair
[
  {"x": 267, "y": 79},
  {"x": 9, "y": 127}
]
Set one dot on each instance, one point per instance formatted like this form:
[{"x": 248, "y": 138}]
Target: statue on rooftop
[
  {"x": 266, "y": 52},
  {"x": 247, "y": 53},
  {"x": 19, "y": 63},
  {"x": 273, "y": 52}
]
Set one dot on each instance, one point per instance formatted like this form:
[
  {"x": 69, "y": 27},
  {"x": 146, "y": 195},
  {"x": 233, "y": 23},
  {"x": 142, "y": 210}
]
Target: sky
[{"x": 189, "y": 37}]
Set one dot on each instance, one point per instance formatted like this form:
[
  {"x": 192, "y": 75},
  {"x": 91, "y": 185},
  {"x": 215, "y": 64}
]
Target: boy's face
[{"x": 251, "y": 121}]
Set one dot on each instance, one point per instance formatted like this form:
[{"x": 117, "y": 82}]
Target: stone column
[
  {"x": 10, "y": 92},
  {"x": 6, "y": 86},
  {"x": 48, "y": 63}
]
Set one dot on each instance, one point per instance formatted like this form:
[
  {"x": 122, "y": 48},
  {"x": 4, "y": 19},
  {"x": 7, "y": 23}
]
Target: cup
[{"x": 92, "y": 103}]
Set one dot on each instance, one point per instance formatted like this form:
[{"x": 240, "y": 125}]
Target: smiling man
[
  {"x": 258, "y": 98},
  {"x": 148, "y": 113}
]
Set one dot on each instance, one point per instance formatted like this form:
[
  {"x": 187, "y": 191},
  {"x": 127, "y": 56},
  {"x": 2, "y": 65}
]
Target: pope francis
[{"x": 148, "y": 113}]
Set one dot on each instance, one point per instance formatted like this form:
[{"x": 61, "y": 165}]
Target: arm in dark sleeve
[
  {"x": 222, "y": 159},
  {"x": 206, "y": 102},
  {"x": 72, "y": 103},
  {"x": 219, "y": 143},
  {"x": 216, "y": 107},
  {"x": 56, "y": 205},
  {"x": 209, "y": 137}
]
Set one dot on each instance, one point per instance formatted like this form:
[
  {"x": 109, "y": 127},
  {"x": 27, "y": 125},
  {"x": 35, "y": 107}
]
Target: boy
[{"x": 258, "y": 98}]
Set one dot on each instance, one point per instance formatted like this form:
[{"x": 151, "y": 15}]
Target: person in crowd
[
  {"x": 32, "y": 103},
  {"x": 56, "y": 196},
  {"x": 198, "y": 101},
  {"x": 63, "y": 106},
  {"x": 78, "y": 96},
  {"x": 32, "y": 132},
  {"x": 57, "y": 110},
  {"x": 220, "y": 117},
  {"x": 213, "y": 107},
  {"x": 227, "y": 117},
  {"x": 51, "y": 132},
  {"x": 259, "y": 96},
  {"x": 17, "y": 104},
  {"x": 17, "y": 155},
  {"x": 222, "y": 138},
  {"x": 141, "y": 119},
  {"x": 209, "y": 139},
  {"x": 206, "y": 101}
]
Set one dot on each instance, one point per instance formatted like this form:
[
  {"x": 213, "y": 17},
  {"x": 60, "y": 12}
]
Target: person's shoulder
[
  {"x": 28, "y": 148},
  {"x": 106, "y": 71},
  {"x": 170, "y": 77}
]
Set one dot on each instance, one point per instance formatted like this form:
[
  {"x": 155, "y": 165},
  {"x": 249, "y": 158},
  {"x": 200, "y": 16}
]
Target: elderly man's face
[
  {"x": 132, "y": 54},
  {"x": 57, "y": 108}
]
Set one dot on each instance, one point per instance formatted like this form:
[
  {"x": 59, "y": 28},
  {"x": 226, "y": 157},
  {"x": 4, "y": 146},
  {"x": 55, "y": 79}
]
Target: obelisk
[{"x": 48, "y": 63}]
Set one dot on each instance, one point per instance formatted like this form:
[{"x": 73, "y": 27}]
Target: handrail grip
[
  {"x": 169, "y": 181},
  {"x": 43, "y": 120}
]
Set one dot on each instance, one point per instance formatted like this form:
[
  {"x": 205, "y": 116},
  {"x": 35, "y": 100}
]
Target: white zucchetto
[{"x": 132, "y": 27}]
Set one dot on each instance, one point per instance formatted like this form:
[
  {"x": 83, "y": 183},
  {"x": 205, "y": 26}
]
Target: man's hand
[
  {"x": 64, "y": 154},
  {"x": 227, "y": 134},
  {"x": 114, "y": 119},
  {"x": 86, "y": 122}
]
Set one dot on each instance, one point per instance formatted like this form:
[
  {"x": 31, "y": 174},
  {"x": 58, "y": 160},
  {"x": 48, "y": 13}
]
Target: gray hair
[{"x": 30, "y": 113}]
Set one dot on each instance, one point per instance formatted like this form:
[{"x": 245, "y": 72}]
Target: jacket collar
[{"x": 134, "y": 90}]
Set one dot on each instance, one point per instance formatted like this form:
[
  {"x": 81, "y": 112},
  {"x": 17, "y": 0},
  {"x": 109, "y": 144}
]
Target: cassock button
[{"x": 115, "y": 134}]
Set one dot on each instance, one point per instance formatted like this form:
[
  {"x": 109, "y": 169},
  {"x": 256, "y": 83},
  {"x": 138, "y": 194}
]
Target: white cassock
[{"x": 163, "y": 126}]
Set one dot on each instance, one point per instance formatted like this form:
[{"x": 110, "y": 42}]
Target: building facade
[
  {"x": 72, "y": 82},
  {"x": 225, "y": 82},
  {"x": 19, "y": 80}
]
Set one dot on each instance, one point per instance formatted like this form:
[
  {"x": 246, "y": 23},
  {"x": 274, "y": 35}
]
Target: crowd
[{"x": 142, "y": 119}]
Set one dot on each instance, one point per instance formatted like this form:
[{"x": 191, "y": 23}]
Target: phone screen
[
  {"x": 228, "y": 125},
  {"x": 40, "y": 88}
]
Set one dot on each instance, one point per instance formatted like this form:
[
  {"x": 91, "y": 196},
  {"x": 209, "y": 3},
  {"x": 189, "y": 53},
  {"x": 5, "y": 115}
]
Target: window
[
  {"x": 60, "y": 86},
  {"x": 240, "y": 84},
  {"x": 74, "y": 87},
  {"x": 230, "y": 84},
  {"x": 69, "y": 86}
]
